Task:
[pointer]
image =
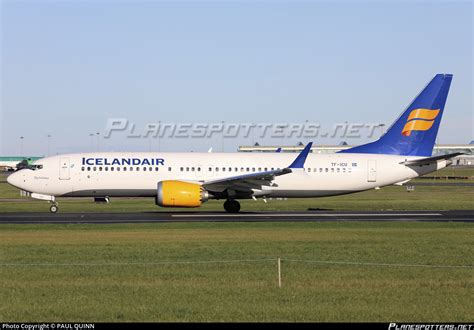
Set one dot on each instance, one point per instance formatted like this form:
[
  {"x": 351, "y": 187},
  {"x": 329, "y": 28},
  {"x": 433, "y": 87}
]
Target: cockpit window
[
  {"x": 35, "y": 167},
  {"x": 27, "y": 164}
]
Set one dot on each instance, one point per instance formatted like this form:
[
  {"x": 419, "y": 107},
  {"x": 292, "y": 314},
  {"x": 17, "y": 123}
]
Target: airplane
[
  {"x": 12, "y": 163},
  {"x": 404, "y": 152}
]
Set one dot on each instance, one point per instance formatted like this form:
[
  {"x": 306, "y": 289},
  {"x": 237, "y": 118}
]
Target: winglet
[{"x": 301, "y": 159}]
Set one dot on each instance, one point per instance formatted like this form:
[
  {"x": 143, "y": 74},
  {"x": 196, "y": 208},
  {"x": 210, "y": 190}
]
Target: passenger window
[
  {"x": 236, "y": 169},
  {"x": 230, "y": 169},
  {"x": 106, "y": 168},
  {"x": 187, "y": 169},
  {"x": 88, "y": 168},
  {"x": 131, "y": 169},
  {"x": 217, "y": 169},
  {"x": 138, "y": 168},
  {"x": 223, "y": 169},
  {"x": 125, "y": 169},
  {"x": 169, "y": 169},
  {"x": 210, "y": 169},
  {"x": 144, "y": 169},
  {"x": 181, "y": 169},
  {"x": 156, "y": 169},
  {"x": 248, "y": 169},
  {"x": 82, "y": 168},
  {"x": 95, "y": 168},
  {"x": 192, "y": 169},
  {"x": 100, "y": 168},
  {"x": 199, "y": 169}
]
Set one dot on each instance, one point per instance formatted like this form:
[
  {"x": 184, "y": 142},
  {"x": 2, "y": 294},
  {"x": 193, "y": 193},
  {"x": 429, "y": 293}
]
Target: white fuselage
[{"x": 106, "y": 174}]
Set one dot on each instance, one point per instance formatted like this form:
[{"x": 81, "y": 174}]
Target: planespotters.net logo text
[
  {"x": 396, "y": 326},
  {"x": 123, "y": 126}
]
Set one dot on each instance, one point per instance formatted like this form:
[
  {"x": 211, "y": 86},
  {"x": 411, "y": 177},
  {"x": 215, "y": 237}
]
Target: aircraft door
[
  {"x": 199, "y": 171},
  {"x": 64, "y": 169},
  {"x": 371, "y": 170},
  {"x": 209, "y": 171}
]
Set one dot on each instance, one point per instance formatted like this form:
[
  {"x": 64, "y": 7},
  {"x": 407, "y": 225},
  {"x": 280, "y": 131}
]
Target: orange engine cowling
[{"x": 172, "y": 193}]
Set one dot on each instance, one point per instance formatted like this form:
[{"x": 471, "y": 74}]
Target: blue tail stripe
[{"x": 420, "y": 139}]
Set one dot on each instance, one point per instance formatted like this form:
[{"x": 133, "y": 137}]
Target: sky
[{"x": 67, "y": 67}]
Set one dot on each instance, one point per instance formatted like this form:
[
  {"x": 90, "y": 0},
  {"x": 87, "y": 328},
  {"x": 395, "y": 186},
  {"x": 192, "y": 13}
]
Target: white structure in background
[{"x": 467, "y": 159}]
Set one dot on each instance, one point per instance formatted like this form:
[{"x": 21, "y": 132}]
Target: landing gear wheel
[
  {"x": 232, "y": 206},
  {"x": 53, "y": 208}
]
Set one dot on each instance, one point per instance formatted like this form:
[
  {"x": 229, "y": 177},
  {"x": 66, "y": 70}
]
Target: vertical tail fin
[{"x": 414, "y": 132}]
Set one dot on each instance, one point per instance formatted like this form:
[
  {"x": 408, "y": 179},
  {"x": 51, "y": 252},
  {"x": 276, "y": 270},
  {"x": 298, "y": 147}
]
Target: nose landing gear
[
  {"x": 232, "y": 206},
  {"x": 54, "y": 208}
]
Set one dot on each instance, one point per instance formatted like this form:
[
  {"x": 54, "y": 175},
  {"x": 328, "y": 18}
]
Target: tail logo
[{"x": 419, "y": 120}]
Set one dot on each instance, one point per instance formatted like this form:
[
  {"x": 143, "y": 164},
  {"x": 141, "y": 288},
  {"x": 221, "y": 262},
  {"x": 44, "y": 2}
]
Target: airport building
[{"x": 467, "y": 159}]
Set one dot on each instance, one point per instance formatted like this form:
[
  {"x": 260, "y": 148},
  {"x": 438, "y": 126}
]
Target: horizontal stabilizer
[{"x": 430, "y": 160}]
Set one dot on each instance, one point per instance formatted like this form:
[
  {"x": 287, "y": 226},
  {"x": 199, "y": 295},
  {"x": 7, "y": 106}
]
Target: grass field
[
  {"x": 156, "y": 272},
  {"x": 462, "y": 171},
  {"x": 39, "y": 282}
]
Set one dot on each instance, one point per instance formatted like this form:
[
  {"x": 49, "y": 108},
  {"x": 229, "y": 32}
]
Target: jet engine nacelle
[{"x": 173, "y": 193}]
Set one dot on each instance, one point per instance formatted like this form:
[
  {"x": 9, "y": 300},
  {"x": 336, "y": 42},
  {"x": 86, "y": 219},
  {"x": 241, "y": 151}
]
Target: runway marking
[{"x": 306, "y": 215}]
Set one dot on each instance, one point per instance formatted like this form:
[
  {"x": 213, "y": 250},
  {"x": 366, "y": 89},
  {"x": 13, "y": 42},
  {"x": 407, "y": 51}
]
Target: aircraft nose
[{"x": 15, "y": 179}]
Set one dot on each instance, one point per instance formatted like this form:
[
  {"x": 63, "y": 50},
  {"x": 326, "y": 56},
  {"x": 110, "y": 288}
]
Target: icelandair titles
[{"x": 122, "y": 161}]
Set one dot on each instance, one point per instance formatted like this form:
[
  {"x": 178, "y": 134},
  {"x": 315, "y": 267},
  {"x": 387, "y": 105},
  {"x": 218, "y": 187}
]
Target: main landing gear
[
  {"x": 232, "y": 206},
  {"x": 54, "y": 208}
]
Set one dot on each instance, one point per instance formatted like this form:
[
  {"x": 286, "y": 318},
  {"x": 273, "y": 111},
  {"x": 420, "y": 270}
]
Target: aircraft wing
[
  {"x": 430, "y": 160},
  {"x": 246, "y": 182}
]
